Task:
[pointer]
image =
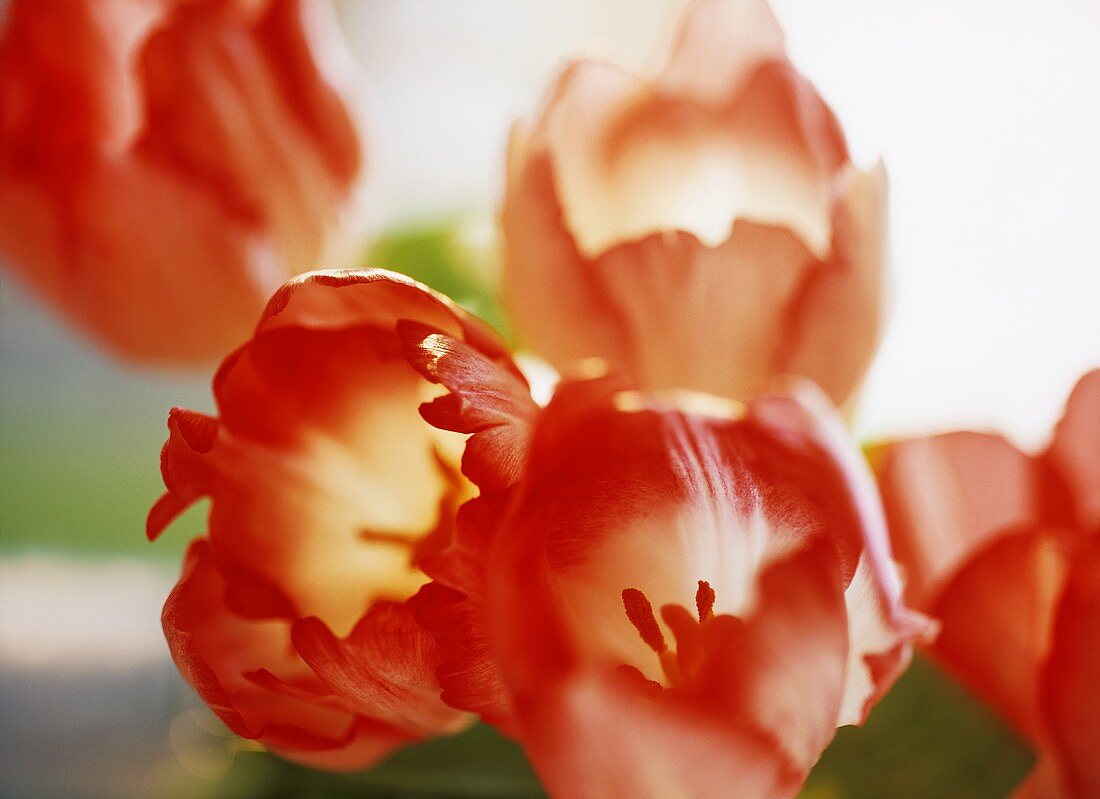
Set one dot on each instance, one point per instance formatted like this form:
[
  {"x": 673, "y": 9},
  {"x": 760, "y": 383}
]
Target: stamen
[
  {"x": 704, "y": 600},
  {"x": 646, "y": 687},
  {"x": 385, "y": 537},
  {"x": 640, "y": 613},
  {"x": 670, "y": 665}
]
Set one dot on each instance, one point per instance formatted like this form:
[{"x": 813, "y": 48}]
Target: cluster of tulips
[{"x": 668, "y": 570}]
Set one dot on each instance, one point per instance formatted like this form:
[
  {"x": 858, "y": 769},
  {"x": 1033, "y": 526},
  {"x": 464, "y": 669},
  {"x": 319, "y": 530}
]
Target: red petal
[
  {"x": 215, "y": 650},
  {"x": 191, "y": 435},
  {"x": 833, "y": 325},
  {"x": 947, "y": 496},
  {"x": 468, "y": 671},
  {"x": 335, "y": 300},
  {"x": 596, "y": 736},
  {"x": 781, "y": 672},
  {"x": 1075, "y": 451},
  {"x": 487, "y": 398},
  {"x": 385, "y": 669},
  {"x": 997, "y": 614},
  {"x": 455, "y": 610},
  {"x": 669, "y": 293},
  {"x": 631, "y": 158},
  {"x": 548, "y": 287},
  {"x": 880, "y": 626},
  {"x": 1071, "y": 698},
  {"x": 758, "y": 716}
]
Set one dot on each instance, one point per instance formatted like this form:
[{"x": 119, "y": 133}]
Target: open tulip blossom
[{"x": 658, "y": 560}]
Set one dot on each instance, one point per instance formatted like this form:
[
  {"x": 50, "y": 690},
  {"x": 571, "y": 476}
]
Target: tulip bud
[{"x": 705, "y": 229}]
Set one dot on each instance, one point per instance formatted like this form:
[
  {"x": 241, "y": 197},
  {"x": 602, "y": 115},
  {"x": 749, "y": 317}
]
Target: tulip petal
[
  {"x": 323, "y": 478},
  {"x": 485, "y": 398},
  {"x": 833, "y": 327},
  {"x": 455, "y": 609},
  {"x": 733, "y": 297},
  {"x": 1071, "y": 700},
  {"x": 880, "y": 626},
  {"x": 1075, "y": 451},
  {"x": 947, "y": 496},
  {"x": 215, "y": 648},
  {"x": 550, "y": 291},
  {"x": 1005, "y": 596},
  {"x": 591, "y": 738},
  {"x": 385, "y": 668},
  {"x": 782, "y": 670},
  {"x": 720, "y": 43},
  {"x": 761, "y": 711},
  {"x": 1001, "y": 548}
]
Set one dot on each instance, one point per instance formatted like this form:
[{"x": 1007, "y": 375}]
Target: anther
[
  {"x": 704, "y": 600},
  {"x": 640, "y": 613}
]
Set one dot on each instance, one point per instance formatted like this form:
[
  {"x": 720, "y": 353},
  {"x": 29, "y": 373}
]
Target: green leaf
[
  {"x": 440, "y": 255},
  {"x": 476, "y": 764},
  {"x": 927, "y": 738}
]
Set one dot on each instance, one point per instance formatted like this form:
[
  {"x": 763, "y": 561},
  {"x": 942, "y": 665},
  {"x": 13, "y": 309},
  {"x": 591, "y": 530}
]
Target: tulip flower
[
  {"x": 1004, "y": 548},
  {"x": 166, "y": 165},
  {"x": 689, "y": 595},
  {"x": 295, "y": 616},
  {"x": 704, "y": 229}
]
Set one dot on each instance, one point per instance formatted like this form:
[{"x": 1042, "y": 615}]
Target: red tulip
[
  {"x": 705, "y": 229},
  {"x": 294, "y": 619},
  {"x": 166, "y": 165},
  {"x": 1004, "y": 548},
  {"x": 681, "y": 594}
]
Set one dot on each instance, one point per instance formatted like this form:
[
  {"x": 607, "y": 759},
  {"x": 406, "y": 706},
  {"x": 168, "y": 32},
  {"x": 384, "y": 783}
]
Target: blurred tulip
[
  {"x": 1004, "y": 548},
  {"x": 753, "y": 534},
  {"x": 704, "y": 229},
  {"x": 166, "y": 164},
  {"x": 293, "y": 619}
]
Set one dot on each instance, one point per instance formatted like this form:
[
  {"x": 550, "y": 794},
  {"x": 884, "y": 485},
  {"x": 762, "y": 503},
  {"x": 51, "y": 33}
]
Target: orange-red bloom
[
  {"x": 294, "y": 619},
  {"x": 704, "y": 229},
  {"x": 165, "y": 165},
  {"x": 714, "y": 575},
  {"x": 683, "y": 594},
  {"x": 1004, "y": 548}
]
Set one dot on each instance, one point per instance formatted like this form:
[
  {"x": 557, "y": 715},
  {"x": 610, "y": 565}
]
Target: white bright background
[{"x": 987, "y": 115}]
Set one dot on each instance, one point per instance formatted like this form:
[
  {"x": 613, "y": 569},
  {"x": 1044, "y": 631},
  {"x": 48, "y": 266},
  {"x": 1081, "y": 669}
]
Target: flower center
[{"x": 639, "y": 611}]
